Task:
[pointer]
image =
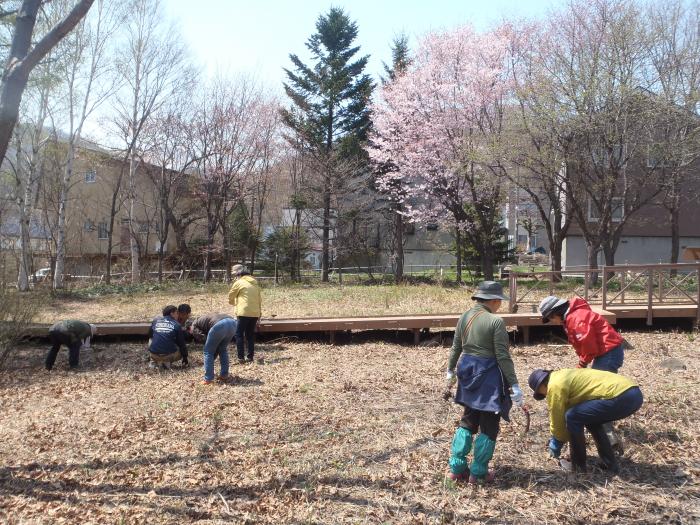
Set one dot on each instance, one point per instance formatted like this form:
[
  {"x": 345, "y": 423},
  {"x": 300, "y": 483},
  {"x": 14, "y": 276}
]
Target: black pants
[
  {"x": 246, "y": 331},
  {"x": 477, "y": 420},
  {"x": 57, "y": 339}
]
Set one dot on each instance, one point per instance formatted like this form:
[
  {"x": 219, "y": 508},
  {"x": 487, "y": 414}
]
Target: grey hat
[
  {"x": 238, "y": 269},
  {"x": 548, "y": 305},
  {"x": 490, "y": 290}
]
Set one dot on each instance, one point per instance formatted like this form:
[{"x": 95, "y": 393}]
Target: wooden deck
[{"x": 331, "y": 325}]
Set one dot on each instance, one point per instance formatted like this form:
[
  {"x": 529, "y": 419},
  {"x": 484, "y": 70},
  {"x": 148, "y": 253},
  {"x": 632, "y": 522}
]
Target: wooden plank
[{"x": 665, "y": 311}]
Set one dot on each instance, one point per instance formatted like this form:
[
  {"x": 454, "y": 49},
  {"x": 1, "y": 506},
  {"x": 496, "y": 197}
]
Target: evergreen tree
[
  {"x": 400, "y": 58},
  {"x": 329, "y": 115}
]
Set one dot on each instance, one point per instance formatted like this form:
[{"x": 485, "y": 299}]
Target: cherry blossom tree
[{"x": 438, "y": 126}]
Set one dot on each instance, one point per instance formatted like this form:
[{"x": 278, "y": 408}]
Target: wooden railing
[{"x": 646, "y": 285}]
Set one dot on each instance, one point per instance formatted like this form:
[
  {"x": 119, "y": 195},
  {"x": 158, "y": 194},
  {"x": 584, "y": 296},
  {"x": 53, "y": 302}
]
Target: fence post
[
  {"x": 551, "y": 284},
  {"x": 586, "y": 283},
  {"x": 650, "y": 297},
  {"x": 697, "y": 311},
  {"x": 661, "y": 286},
  {"x": 340, "y": 275},
  {"x": 605, "y": 289},
  {"x": 623, "y": 282},
  {"x": 513, "y": 293}
]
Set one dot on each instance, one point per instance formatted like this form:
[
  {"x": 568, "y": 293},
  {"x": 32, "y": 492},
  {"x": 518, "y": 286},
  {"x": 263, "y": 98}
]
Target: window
[
  {"x": 432, "y": 227},
  {"x": 102, "y": 230},
  {"x": 409, "y": 228},
  {"x": 602, "y": 156},
  {"x": 89, "y": 226},
  {"x": 618, "y": 210},
  {"x": 90, "y": 176}
]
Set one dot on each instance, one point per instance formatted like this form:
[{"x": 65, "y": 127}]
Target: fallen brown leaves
[{"x": 321, "y": 434}]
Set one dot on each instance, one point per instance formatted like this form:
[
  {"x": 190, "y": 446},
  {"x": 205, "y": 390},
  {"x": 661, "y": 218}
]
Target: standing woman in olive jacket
[{"x": 245, "y": 297}]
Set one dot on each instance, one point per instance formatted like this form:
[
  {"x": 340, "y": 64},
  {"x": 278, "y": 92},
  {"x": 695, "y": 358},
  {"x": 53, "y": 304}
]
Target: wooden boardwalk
[
  {"x": 626, "y": 292},
  {"x": 332, "y": 325}
]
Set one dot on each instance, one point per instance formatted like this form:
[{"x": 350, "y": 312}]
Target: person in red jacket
[{"x": 595, "y": 340}]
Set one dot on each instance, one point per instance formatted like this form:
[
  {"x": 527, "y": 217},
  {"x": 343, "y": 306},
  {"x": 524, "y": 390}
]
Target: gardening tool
[{"x": 447, "y": 396}]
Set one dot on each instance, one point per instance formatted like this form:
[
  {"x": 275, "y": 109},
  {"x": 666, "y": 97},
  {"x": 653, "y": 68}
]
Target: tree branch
[{"x": 54, "y": 36}]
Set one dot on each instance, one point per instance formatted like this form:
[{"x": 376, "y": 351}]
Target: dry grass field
[
  {"x": 322, "y": 434},
  {"x": 282, "y": 301}
]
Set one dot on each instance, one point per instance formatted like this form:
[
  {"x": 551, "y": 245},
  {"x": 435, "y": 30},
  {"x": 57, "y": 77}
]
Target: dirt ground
[{"x": 354, "y": 433}]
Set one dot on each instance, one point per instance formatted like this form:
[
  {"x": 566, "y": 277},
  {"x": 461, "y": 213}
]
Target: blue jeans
[
  {"x": 217, "y": 342},
  {"x": 611, "y": 361},
  {"x": 598, "y": 411}
]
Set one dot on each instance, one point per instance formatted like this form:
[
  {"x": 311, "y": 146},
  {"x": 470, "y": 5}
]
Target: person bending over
[
  {"x": 72, "y": 333},
  {"x": 216, "y": 332},
  {"x": 580, "y": 398},
  {"x": 594, "y": 339}
]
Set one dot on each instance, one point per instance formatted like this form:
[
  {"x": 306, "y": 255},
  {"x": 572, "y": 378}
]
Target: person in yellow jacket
[
  {"x": 584, "y": 398},
  {"x": 245, "y": 297}
]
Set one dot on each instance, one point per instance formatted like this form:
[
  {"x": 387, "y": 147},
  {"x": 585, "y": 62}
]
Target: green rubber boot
[
  {"x": 483, "y": 452},
  {"x": 461, "y": 445}
]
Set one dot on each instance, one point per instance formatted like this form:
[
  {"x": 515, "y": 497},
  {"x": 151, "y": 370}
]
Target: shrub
[{"x": 17, "y": 311}]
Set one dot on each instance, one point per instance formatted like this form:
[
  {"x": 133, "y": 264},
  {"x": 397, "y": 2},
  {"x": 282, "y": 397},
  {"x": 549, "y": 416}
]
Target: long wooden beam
[{"x": 337, "y": 324}]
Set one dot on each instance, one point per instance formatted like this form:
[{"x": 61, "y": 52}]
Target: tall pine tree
[
  {"x": 329, "y": 115},
  {"x": 400, "y": 58}
]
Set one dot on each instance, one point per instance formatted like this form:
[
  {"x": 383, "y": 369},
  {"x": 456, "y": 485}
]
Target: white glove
[
  {"x": 517, "y": 395},
  {"x": 450, "y": 379}
]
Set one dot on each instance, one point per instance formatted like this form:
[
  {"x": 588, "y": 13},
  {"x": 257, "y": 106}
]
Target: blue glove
[{"x": 554, "y": 447}]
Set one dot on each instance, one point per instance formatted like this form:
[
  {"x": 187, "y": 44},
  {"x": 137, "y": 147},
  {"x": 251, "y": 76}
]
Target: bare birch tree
[
  {"x": 23, "y": 57},
  {"x": 83, "y": 76},
  {"x": 150, "y": 61}
]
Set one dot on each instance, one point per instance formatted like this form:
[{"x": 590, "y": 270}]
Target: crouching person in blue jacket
[{"x": 487, "y": 385}]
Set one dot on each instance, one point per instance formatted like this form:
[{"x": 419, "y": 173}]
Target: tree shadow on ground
[
  {"x": 648, "y": 474},
  {"x": 637, "y": 433}
]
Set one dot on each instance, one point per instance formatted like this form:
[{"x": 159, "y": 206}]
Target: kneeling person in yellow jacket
[
  {"x": 245, "y": 296},
  {"x": 584, "y": 398}
]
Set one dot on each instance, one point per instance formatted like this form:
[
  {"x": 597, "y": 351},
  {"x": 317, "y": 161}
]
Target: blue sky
[{"x": 256, "y": 36}]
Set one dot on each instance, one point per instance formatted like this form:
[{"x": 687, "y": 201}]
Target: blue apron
[{"x": 481, "y": 385}]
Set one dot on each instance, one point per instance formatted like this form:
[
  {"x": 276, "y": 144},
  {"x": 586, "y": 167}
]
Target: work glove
[
  {"x": 450, "y": 380},
  {"x": 517, "y": 395},
  {"x": 554, "y": 446},
  {"x": 581, "y": 364}
]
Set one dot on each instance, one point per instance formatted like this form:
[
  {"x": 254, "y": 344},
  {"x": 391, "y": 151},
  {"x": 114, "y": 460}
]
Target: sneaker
[
  {"x": 241, "y": 361},
  {"x": 464, "y": 476},
  {"x": 208, "y": 382},
  {"x": 488, "y": 478},
  {"x": 153, "y": 365},
  {"x": 249, "y": 359},
  {"x": 225, "y": 379}
]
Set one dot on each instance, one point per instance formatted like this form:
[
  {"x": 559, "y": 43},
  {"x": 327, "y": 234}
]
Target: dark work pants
[
  {"x": 245, "y": 332},
  {"x": 599, "y": 411},
  {"x": 57, "y": 339},
  {"x": 487, "y": 423}
]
